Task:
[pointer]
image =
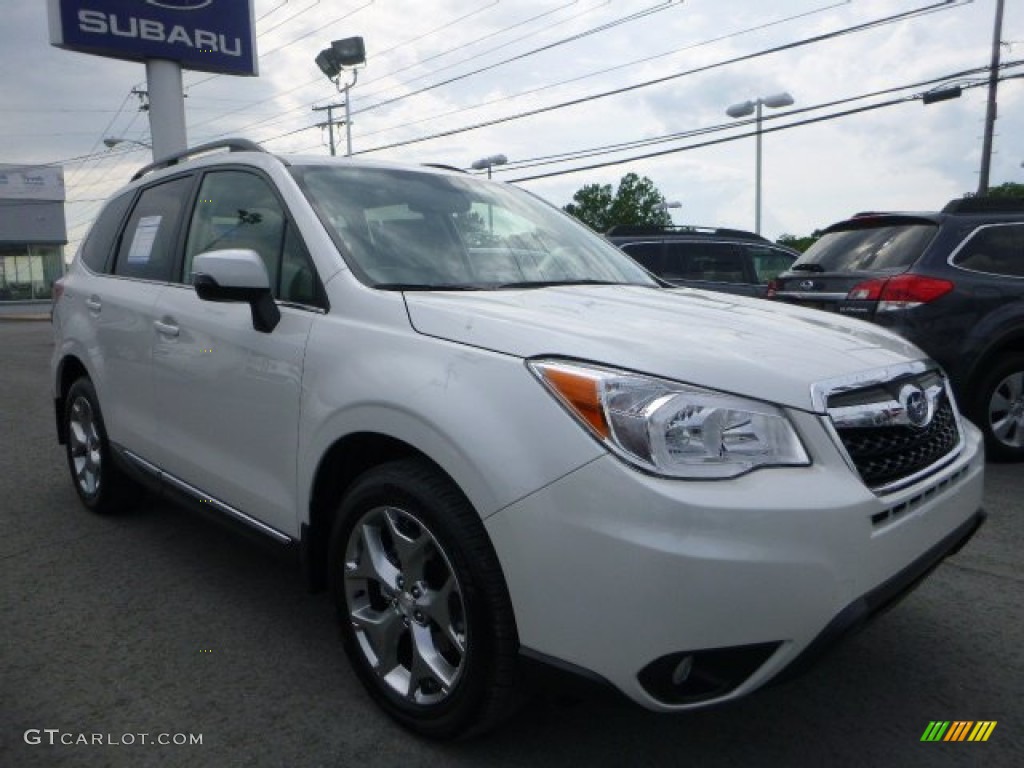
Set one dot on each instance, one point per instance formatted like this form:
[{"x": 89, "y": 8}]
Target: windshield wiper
[
  {"x": 552, "y": 283},
  {"x": 807, "y": 268}
]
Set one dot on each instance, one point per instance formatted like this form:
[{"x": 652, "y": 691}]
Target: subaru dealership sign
[{"x": 208, "y": 35}]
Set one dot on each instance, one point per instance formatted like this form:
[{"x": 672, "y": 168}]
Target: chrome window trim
[{"x": 966, "y": 240}]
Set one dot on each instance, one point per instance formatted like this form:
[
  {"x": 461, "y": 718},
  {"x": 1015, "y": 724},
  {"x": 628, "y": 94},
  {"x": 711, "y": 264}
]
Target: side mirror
[{"x": 237, "y": 275}]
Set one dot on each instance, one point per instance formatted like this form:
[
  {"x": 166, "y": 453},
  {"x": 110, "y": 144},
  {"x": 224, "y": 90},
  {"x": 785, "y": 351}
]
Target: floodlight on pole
[
  {"x": 343, "y": 55},
  {"x": 745, "y": 109},
  {"x": 488, "y": 163},
  {"x": 112, "y": 141}
]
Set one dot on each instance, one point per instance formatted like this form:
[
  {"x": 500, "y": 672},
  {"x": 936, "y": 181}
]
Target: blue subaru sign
[{"x": 208, "y": 35}]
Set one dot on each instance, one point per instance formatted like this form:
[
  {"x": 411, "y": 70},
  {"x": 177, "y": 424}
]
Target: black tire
[
  {"x": 101, "y": 486},
  {"x": 998, "y": 408},
  {"x": 423, "y": 530}
]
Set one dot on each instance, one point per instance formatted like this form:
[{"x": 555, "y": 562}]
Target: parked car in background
[
  {"x": 728, "y": 260},
  {"x": 952, "y": 282}
]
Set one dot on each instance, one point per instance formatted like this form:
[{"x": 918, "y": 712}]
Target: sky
[{"x": 449, "y": 81}]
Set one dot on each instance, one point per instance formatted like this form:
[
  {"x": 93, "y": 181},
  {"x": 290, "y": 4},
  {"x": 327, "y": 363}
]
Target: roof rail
[
  {"x": 985, "y": 205},
  {"x": 633, "y": 230},
  {"x": 233, "y": 145},
  {"x": 444, "y": 167}
]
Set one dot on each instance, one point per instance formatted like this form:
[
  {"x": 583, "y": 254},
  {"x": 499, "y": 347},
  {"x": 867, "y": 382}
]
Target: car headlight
[{"x": 673, "y": 429}]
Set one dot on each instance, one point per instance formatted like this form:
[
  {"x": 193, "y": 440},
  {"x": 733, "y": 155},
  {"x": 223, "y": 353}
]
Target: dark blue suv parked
[{"x": 951, "y": 282}]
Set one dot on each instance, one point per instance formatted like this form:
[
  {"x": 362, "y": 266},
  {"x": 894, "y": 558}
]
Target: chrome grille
[{"x": 896, "y": 431}]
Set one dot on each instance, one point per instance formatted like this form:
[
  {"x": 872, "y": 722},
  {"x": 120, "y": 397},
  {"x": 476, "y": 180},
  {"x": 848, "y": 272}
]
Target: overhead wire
[
  {"x": 737, "y": 137},
  {"x": 853, "y": 29}
]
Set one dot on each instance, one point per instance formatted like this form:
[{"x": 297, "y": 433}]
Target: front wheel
[
  {"x": 425, "y": 615},
  {"x": 999, "y": 409}
]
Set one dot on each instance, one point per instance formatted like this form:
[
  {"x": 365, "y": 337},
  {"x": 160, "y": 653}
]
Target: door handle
[
  {"x": 166, "y": 329},
  {"x": 94, "y": 303}
]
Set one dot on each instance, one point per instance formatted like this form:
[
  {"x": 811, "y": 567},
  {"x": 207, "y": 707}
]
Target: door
[
  {"x": 121, "y": 306},
  {"x": 229, "y": 396}
]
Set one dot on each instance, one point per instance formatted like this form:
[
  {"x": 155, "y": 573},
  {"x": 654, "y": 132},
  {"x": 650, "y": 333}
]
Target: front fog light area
[{"x": 673, "y": 429}]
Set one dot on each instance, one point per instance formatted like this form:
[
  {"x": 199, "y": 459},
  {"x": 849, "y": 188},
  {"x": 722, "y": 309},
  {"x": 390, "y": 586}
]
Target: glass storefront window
[{"x": 27, "y": 271}]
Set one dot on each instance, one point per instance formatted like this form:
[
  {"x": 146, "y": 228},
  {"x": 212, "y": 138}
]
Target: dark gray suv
[
  {"x": 952, "y": 282},
  {"x": 716, "y": 259}
]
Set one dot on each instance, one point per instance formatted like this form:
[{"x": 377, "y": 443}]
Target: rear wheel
[
  {"x": 101, "y": 486},
  {"x": 999, "y": 409},
  {"x": 424, "y": 611}
]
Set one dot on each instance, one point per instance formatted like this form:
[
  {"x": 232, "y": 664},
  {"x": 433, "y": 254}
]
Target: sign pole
[{"x": 166, "y": 107}]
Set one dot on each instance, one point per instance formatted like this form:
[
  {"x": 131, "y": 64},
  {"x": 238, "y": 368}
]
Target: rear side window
[
  {"x": 647, "y": 255},
  {"x": 147, "y": 250},
  {"x": 996, "y": 249},
  {"x": 769, "y": 263},
  {"x": 99, "y": 245},
  {"x": 891, "y": 248}
]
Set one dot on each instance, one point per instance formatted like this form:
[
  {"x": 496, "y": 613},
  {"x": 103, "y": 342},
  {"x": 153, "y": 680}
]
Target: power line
[
  {"x": 737, "y": 137},
  {"x": 567, "y": 156},
  {"x": 650, "y": 11},
  {"x": 882, "y": 21},
  {"x": 617, "y": 67}
]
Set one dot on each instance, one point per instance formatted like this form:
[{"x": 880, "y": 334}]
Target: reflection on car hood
[{"x": 745, "y": 346}]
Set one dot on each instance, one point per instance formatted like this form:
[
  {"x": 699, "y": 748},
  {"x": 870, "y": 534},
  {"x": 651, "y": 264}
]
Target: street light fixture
[
  {"x": 488, "y": 163},
  {"x": 343, "y": 55},
  {"x": 112, "y": 141},
  {"x": 751, "y": 107}
]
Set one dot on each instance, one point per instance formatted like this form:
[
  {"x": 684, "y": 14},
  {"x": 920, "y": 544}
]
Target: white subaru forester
[{"x": 499, "y": 441}]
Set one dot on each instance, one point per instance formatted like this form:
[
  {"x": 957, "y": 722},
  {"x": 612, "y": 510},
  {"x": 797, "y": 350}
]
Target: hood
[{"x": 751, "y": 347}]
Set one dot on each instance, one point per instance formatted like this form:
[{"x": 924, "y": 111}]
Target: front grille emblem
[{"x": 916, "y": 404}]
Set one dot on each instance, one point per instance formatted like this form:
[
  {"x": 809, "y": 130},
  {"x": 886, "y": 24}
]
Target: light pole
[
  {"x": 343, "y": 54},
  {"x": 488, "y": 163},
  {"x": 750, "y": 107},
  {"x": 112, "y": 141}
]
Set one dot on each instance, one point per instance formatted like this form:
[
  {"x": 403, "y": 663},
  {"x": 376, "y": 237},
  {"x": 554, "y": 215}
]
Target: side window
[
  {"x": 647, "y": 255},
  {"x": 237, "y": 209},
  {"x": 769, "y": 263},
  {"x": 98, "y": 246},
  {"x": 147, "y": 249},
  {"x": 716, "y": 262},
  {"x": 998, "y": 250}
]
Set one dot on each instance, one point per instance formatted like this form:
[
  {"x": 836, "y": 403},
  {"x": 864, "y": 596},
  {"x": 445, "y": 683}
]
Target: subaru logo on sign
[
  {"x": 180, "y": 5},
  {"x": 918, "y": 408},
  {"x": 806, "y": 285}
]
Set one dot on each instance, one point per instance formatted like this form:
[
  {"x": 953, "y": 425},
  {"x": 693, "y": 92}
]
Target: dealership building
[{"x": 33, "y": 234}]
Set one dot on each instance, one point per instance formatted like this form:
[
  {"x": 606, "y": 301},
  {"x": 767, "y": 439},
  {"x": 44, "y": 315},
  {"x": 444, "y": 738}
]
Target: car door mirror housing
[{"x": 237, "y": 275}]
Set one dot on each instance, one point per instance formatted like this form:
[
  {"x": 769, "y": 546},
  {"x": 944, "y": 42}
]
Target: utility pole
[
  {"x": 331, "y": 122},
  {"x": 990, "y": 111}
]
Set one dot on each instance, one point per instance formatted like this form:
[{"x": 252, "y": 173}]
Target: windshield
[
  {"x": 891, "y": 248},
  {"x": 411, "y": 230}
]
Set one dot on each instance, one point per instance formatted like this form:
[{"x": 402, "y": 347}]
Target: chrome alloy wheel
[
  {"x": 1006, "y": 410},
  {"x": 405, "y": 605},
  {"x": 85, "y": 446}
]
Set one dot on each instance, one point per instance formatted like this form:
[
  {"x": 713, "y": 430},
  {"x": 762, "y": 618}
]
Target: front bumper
[{"x": 614, "y": 571}]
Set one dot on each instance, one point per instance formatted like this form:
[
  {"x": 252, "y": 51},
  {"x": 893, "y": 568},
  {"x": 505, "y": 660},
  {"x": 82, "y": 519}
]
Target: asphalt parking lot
[{"x": 162, "y": 622}]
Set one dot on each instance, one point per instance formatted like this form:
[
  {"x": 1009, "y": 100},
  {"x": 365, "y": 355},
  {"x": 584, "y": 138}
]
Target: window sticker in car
[{"x": 142, "y": 243}]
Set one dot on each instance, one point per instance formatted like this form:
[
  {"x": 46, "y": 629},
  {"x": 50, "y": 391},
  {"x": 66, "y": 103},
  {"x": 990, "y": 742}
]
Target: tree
[
  {"x": 799, "y": 243},
  {"x": 636, "y": 201},
  {"x": 1007, "y": 189}
]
